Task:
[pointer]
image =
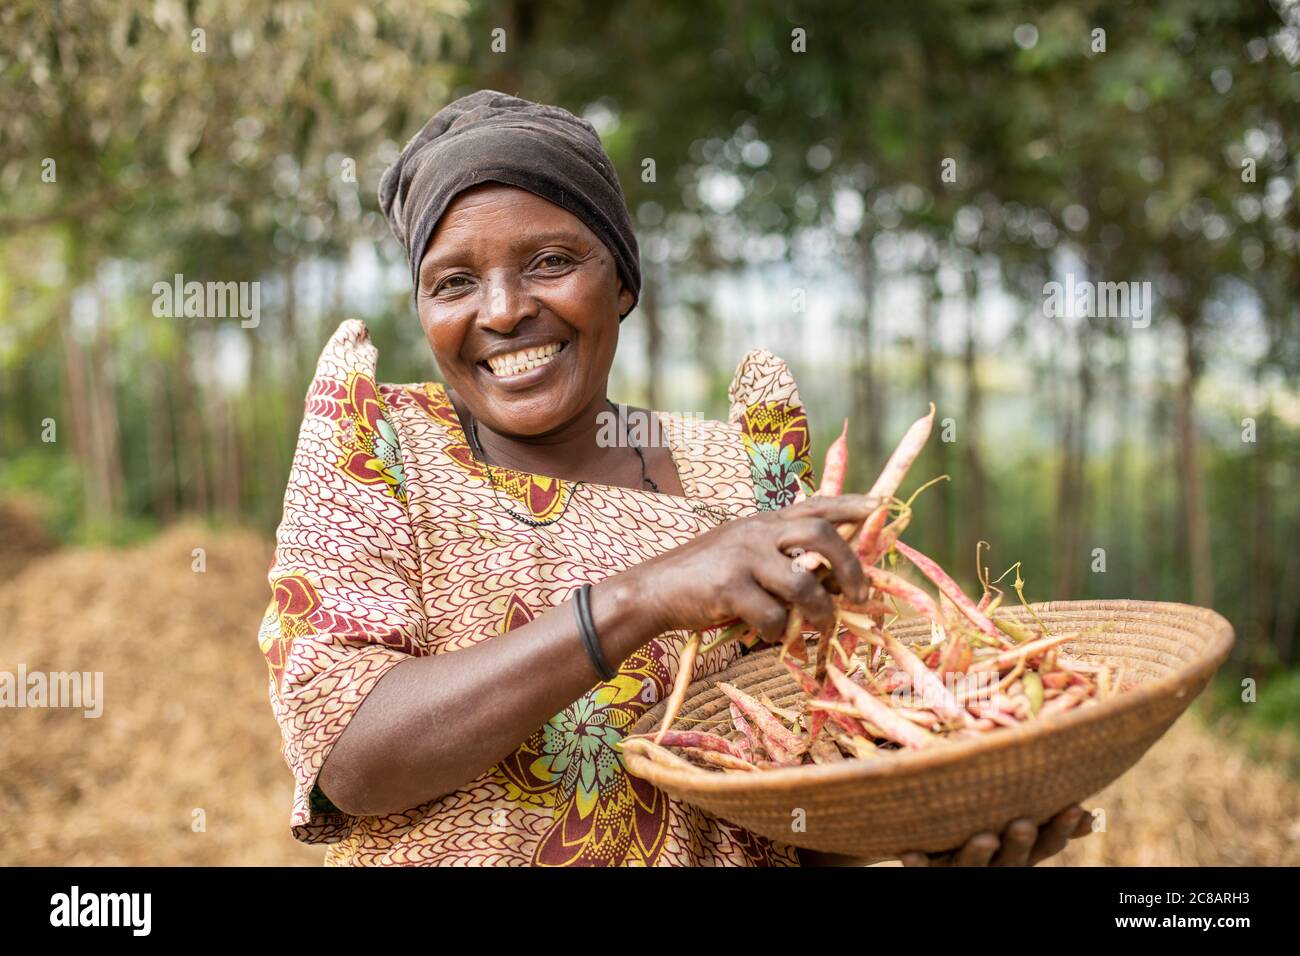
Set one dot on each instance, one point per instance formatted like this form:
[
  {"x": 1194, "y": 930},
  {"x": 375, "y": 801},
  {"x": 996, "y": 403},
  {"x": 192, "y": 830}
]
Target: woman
[{"x": 432, "y": 639}]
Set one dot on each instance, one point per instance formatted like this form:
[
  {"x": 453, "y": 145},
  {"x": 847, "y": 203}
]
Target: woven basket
[{"x": 935, "y": 799}]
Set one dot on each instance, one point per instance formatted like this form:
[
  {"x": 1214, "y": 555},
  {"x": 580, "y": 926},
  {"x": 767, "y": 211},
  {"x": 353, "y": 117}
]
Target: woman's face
[{"x": 520, "y": 302}]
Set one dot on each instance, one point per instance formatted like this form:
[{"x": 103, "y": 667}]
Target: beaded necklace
[
  {"x": 712, "y": 511},
  {"x": 477, "y": 448}
]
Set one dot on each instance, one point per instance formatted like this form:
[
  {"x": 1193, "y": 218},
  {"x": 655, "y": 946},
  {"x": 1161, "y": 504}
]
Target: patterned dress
[{"x": 394, "y": 544}]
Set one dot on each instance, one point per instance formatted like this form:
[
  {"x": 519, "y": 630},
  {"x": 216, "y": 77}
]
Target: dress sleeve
[
  {"x": 774, "y": 427},
  {"x": 345, "y": 582}
]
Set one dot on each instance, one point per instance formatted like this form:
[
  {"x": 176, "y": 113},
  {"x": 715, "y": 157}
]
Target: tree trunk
[
  {"x": 262, "y": 454},
  {"x": 1064, "y": 559},
  {"x": 195, "y": 497},
  {"x": 78, "y": 399},
  {"x": 226, "y": 445},
  {"x": 218, "y": 432},
  {"x": 973, "y": 480},
  {"x": 1196, "y": 524},
  {"x": 519, "y": 20},
  {"x": 77, "y": 403},
  {"x": 162, "y": 444},
  {"x": 1122, "y": 539},
  {"x": 650, "y": 318},
  {"x": 937, "y": 452},
  {"x": 93, "y": 410},
  {"x": 291, "y": 337},
  {"x": 1154, "y": 555},
  {"x": 1288, "y": 605},
  {"x": 1071, "y": 505},
  {"x": 1261, "y": 520},
  {"x": 107, "y": 431},
  {"x": 868, "y": 406}
]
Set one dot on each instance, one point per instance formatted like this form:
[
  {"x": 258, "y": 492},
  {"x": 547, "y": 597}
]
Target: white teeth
[{"x": 525, "y": 360}]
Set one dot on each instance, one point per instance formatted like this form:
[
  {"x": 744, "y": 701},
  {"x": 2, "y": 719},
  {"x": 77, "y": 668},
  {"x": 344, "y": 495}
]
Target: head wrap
[{"x": 494, "y": 137}]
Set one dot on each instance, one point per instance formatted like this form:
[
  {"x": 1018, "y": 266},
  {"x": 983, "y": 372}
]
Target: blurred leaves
[
  {"x": 820, "y": 170},
  {"x": 187, "y": 115}
]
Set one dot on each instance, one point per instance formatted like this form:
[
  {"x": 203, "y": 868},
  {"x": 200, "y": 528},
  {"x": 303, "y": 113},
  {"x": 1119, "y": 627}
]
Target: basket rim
[{"x": 906, "y": 762}]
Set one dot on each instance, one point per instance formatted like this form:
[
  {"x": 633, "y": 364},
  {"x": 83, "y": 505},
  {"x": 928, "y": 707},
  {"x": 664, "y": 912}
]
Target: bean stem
[{"x": 685, "y": 667}]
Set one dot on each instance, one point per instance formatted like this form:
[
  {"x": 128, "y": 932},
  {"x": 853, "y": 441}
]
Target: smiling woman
[
  {"x": 476, "y": 593},
  {"x": 519, "y": 301}
]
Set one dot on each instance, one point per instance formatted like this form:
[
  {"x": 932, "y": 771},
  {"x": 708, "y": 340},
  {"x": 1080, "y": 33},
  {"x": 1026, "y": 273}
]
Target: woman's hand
[
  {"x": 745, "y": 569},
  {"x": 1023, "y": 843}
]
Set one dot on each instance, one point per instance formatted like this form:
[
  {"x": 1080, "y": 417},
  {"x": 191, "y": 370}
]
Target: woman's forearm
[{"x": 433, "y": 724}]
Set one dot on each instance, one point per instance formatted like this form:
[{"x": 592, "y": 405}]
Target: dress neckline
[{"x": 668, "y": 426}]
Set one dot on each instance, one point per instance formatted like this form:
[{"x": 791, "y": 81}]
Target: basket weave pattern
[{"x": 934, "y": 799}]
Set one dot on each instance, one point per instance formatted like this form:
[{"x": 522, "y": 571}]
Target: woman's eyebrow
[
  {"x": 541, "y": 238},
  {"x": 526, "y": 241}
]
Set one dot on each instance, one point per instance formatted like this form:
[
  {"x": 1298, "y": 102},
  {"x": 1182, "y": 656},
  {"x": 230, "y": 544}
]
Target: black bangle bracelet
[{"x": 587, "y": 628}]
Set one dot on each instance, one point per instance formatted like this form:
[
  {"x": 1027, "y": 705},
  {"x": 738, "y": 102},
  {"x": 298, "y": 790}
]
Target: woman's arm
[{"x": 432, "y": 724}]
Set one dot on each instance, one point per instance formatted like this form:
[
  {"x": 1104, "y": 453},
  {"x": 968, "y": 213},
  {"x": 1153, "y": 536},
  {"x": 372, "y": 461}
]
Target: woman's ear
[{"x": 625, "y": 299}]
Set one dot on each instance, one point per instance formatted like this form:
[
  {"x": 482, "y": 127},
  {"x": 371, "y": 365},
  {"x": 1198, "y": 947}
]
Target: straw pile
[
  {"x": 22, "y": 536},
  {"x": 187, "y": 725},
  {"x": 1194, "y": 799},
  {"x": 186, "y": 720}
]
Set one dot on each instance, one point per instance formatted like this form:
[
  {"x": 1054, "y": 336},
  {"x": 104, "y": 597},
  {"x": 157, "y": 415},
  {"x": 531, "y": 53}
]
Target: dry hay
[
  {"x": 1194, "y": 799},
  {"x": 22, "y": 536},
  {"x": 187, "y": 725},
  {"x": 186, "y": 720}
]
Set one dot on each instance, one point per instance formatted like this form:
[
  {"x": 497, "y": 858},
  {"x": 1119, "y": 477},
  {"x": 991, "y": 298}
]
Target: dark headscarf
[{"x": 494, "y": 137}]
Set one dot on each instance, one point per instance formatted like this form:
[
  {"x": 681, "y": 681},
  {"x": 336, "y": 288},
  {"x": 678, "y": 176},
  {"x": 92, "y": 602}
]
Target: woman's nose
[{"x": 507, "y": 304}]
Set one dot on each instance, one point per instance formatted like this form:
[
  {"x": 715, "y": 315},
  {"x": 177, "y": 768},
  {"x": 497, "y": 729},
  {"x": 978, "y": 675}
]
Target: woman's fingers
[
  {"x": 833, "y": 509},
  {"x": 800, "y": 589},
  {"x": 978, "y": 850},
  {"x": 1017, "y": 843},
  {"x": 1056, "y": 834},
  {"x": 1084, "y": 827},
  {"x": 820, "y": 535},
  {"x": 1023, "y": 843},
  {"x": 757, "y": 608}
]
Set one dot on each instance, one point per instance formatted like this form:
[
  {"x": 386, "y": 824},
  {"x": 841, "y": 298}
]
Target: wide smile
[{"x": 523, "y": 364}]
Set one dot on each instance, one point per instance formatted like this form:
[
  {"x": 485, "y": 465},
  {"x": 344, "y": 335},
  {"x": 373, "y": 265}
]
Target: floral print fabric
[{"x": 394, "y": 544}]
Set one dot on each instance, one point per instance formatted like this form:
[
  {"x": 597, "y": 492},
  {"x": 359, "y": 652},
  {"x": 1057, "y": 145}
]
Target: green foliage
[
  {"x": 1267, "y": 727},
  {"x": 231, "y": 164},
  {"x": 50, "y": 478}
]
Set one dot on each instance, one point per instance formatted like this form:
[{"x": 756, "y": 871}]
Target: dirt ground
[{"x": 187, "y": 727}]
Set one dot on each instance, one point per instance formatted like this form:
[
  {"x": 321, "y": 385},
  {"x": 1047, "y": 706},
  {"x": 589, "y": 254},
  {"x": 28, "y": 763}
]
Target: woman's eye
[
  {"x": 452, "y": 284},
  {"x": 553, "y": 260}
]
